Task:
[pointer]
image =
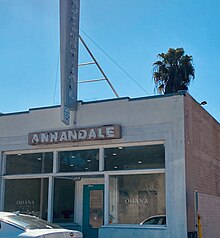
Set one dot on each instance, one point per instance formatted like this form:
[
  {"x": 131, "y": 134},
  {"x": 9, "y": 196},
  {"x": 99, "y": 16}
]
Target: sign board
[
  {"x": 75, "y": 135},
  {"x": 69, "y": 44}
]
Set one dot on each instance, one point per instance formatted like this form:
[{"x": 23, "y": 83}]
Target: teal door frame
[{"x": 88, "y": 230}]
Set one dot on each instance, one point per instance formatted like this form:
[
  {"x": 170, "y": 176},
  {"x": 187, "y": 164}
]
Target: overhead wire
[{"x": 114, "y": 61}]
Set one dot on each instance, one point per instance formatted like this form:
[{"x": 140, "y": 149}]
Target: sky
[{"x": 125, "y": 36}]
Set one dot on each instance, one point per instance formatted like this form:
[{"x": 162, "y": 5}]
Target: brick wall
[
  {"x": 202, "y": 148},
  {"x": 209, "y": 210}
]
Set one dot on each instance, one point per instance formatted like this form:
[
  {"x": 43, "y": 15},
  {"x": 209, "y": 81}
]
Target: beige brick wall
[{"x": 202, "y": 148}]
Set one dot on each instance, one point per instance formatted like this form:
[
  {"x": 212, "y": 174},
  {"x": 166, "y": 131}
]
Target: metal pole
[
  {"x": 90, "y": 53},
  {"x": 84, "y": 64},
  {"x": 196, "y": 211},
  {"x": 91, "y": 80}
]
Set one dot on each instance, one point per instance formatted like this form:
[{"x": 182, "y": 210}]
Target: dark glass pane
[
  {"x": 29, "y": 196},
  {"x": 135, "y": 157},
  {"x": 64, "y": 193},
  {"x": 29, "y": 163},
  {"x": 79, "y": 161}
]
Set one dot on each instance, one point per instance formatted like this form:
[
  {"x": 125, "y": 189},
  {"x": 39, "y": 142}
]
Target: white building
[{"x": 118, "y": 163}]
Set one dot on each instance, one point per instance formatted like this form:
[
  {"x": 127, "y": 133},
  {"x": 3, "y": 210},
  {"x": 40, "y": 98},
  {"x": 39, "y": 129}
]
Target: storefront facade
[{"x": 120, "y": 162}]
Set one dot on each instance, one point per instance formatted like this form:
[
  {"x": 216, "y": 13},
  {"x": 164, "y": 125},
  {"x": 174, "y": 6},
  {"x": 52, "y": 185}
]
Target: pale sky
[{"x": 131, "y": 32}]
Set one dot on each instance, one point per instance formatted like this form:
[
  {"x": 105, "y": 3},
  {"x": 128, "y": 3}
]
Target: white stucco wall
[{"x": 144, "y": 119}]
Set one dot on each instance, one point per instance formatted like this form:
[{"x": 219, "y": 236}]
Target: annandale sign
[
  {"x": 69, "y": 47},
  {"x": 75, "y": 135}
]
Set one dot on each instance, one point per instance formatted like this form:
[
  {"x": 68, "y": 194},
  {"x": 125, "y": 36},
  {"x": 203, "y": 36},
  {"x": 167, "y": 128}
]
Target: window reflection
[
  {"x": 64, "y": 194},
  {"x": 133, "y": 198},
  {"x": 29, "y": 163},
  {"x": 135, "y": 157},
  {"x": 96, "y": 208},
  {"x": 79, "y": 161},
  {"x": 29, "y": 196}
]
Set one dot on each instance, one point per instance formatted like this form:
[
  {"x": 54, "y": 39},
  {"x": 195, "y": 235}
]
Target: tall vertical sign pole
[{"x": 69, "y": 44}]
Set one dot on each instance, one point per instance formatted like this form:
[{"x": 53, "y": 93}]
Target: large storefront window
[
  {"x": 64, "y": 194},
  {"x": 29, "y": 163},
  {"x": 133, "y": 198},
  {"x": 135, "y": 157},
  {"x": 28, "y": 196},
  {"x": 136, "y": 184},
  {"x": 79, "y": 161}
]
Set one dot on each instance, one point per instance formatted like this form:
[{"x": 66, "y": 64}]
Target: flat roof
[{"x": 98, "y": 101}]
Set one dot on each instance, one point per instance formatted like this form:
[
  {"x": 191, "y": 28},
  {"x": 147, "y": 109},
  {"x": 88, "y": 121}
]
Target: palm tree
[{"x": 173, "y": 72}]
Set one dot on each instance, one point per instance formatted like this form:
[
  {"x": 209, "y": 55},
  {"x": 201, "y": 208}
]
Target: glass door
[{"x": 93, "y": 212}]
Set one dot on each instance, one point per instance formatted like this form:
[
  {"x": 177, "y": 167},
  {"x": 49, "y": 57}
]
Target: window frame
[
  {"x": 123, "y": 172},
  {"x": 55, "y": 172}
]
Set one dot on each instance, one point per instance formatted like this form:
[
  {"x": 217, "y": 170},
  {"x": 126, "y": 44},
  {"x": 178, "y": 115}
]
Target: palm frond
[{"x": 174, "y": 71}]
